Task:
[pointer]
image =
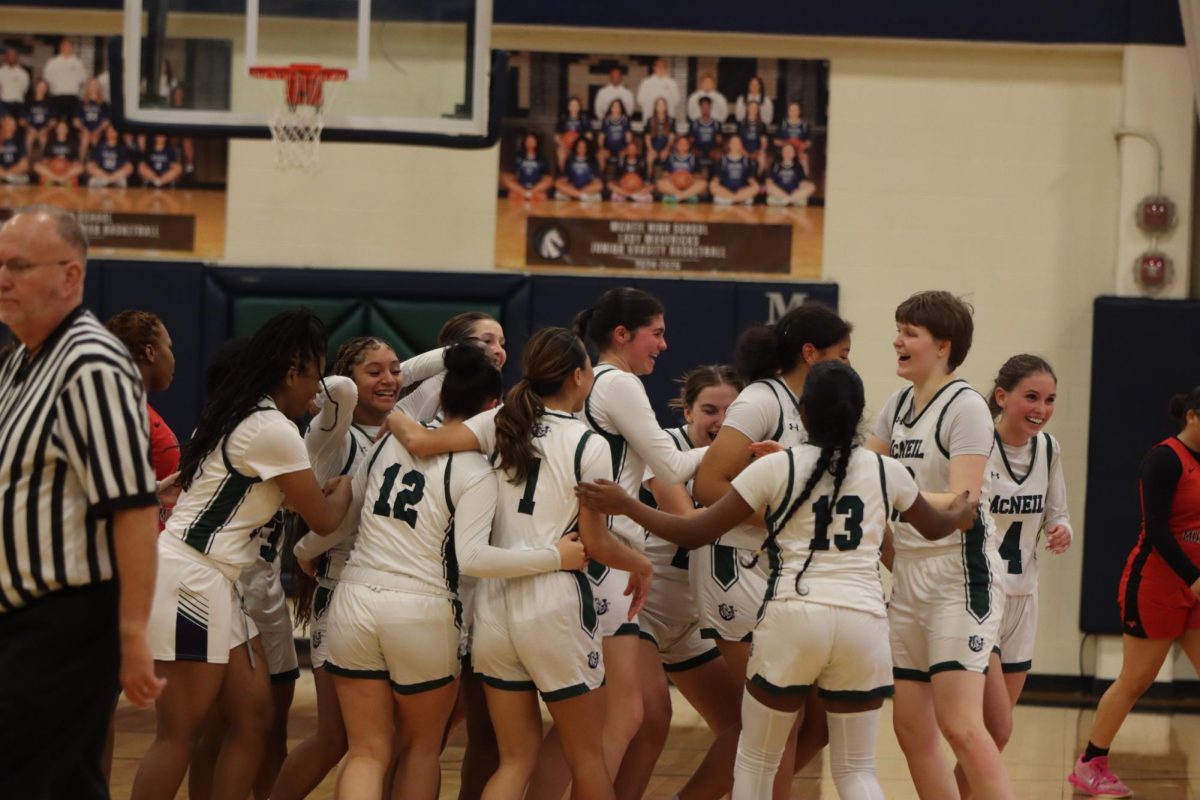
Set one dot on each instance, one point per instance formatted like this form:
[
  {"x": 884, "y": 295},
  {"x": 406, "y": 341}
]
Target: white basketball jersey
[
  {"x": 826, "y": 550},
  {"x": 406, "y": 526},
  {"x": 922, "y": 443},
  {"x": 628, "y": 468},
  {"x": 764, "y": 410},
  {"x": 537, "y": 511},
  {"x": 233, "y": 495},
  {"x": 358, "y": 441},
  {"x": 662, "y": 554},
  {"x": 1020, "y": 505}
]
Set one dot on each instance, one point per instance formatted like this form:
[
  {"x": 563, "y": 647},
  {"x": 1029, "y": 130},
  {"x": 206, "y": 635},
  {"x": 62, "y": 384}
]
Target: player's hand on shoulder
[
  {"x": 603, "y": 496},
  {"x": 760, "y": 449},
  {"x": 1058, "y": 539},
  {"x": 571, "y": 553},
  {"x": 400, "y": 425}
]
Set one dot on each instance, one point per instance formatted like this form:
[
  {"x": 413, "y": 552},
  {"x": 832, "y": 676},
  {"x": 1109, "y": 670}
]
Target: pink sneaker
[{"x": 1096, "y": 779}]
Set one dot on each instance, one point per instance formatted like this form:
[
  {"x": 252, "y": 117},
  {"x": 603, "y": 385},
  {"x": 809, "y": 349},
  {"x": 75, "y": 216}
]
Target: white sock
[
  {"x": 760, "y": 749},
  {"x": 852, "y": 739}
]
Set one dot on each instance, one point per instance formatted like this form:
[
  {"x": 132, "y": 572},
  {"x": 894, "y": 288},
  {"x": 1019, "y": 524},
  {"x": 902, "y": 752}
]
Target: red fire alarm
[
  {"x": 1155, "y": 213},
  {"x": 1153, "y": 270}
]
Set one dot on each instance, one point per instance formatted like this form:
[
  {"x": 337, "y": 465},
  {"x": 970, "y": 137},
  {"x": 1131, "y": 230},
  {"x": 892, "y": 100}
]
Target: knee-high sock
[
  {"x": 760, "y": 749},
  {"x": 852, "y": 740}
]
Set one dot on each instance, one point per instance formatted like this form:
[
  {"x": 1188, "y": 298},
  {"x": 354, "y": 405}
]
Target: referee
[{"x": 77, "y": 507}]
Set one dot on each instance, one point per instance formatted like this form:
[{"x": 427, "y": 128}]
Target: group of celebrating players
[
  {"x": 622, "y": 154},
  {"x": 471, "y": 550}
]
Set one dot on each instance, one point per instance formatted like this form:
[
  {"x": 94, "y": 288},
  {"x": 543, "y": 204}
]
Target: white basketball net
[{"x": 296, "y": 131}]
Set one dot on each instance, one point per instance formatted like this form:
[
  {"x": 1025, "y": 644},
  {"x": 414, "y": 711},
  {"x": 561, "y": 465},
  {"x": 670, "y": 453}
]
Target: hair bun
[{"x": 466, "y": 357}]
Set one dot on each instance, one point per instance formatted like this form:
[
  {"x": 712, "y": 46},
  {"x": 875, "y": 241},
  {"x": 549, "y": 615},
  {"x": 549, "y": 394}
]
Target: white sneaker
[
  {"x": 722, "y": 201},
  {"x": 772, "y": 200}
]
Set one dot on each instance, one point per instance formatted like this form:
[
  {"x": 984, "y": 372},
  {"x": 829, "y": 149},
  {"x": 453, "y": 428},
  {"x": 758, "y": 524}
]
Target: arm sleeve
[
  {"x": 484, "y": 427},
  {"x": 426, "y": 365},
  {"x": 1057, "y": 512},
  {"x": 328, "y": 433},
  {"x": 475, "y": 503},
  {"x": 754, "y": 413},
  {"x": 422, "y": 403},
  {"x": 1160, "y": 476},
  {"x": 632, "y": 416},
  {"x": 902, "y": 490},
  {"x": 107, "y": 438},
  {"x": 311, "y": 545},
  {"x": 276, "y": 449},
  {"x": 968, "y": 428}
]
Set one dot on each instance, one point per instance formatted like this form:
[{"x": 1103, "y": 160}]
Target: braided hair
[
  {"x": 832, "y": 408},
  {"x": 288, "y": 339}
]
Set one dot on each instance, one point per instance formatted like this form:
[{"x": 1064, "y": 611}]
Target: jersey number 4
[
  {"x": 849, "y": 506},
  {"x": 1010, "y": 547},
  {"x": 406, "y": 498}
]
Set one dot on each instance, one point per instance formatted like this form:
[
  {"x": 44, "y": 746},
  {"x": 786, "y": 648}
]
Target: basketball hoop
[{"x": 297, "y": 123}]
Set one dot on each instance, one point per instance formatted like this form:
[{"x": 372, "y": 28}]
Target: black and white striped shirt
[{"x": 74, "y": 448}]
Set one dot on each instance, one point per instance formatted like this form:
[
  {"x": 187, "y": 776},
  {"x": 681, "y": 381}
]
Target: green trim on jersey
[
  {"x": 977, "y": 577},
  {"x": 1049, "y": 459},
  {"x": 724, "y": 565},
  {"x": 579, "y": 448},
  {"x": 1008, "y": 467},
  {"x": 587, "y": 604},
  {"x": 616, "y": 442},
  {"x": 223, "y": 505},
  {"x": 909, "y": 392},
  {"x": 887, "y": 505},
  {"x": 937, "y": 429},
  {"x": 777, "y": 519}
]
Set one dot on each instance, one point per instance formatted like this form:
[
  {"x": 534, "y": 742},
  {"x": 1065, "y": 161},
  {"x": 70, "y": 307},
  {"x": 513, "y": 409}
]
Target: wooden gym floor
[
  {"x": 1157, "y": 754},
  {"x": 808, "y": 227}
]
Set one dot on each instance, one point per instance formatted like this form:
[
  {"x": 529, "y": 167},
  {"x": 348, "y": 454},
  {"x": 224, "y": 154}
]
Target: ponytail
[
  {"x": 551, "y": 356},
  {"x": 622, "y": 307}
]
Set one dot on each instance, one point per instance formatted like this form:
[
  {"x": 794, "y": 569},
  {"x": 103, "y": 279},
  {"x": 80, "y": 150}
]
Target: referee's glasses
[{"x": 19, "y": 266}]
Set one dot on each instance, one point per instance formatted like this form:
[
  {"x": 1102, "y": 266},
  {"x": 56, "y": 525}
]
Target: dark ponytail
[
  {"x": 551, "y": 356},
  {"x": 1182, "y": 403},
  {"x": 764, "y": 351},
  {"x": 622, "y": 307},
  {"x": 471, "y": 380},
  {"x": 288, "y": 339},
  {"x": 832, "y": 408},
  {"x": 1015, "y": 370}
]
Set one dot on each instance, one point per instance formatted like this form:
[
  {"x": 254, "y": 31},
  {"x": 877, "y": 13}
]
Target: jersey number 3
[{"x": 406, "y": 498}]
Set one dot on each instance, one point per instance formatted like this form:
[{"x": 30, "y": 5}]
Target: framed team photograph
[{"x": 663, "y": 164}]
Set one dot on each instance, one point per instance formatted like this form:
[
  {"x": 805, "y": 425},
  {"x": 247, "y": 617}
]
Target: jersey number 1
[{"x": 414, "y": 483}]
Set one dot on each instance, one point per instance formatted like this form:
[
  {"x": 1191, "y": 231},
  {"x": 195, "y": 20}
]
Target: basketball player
[
  {"x": 530, "y": 178},
  {"x": 795, "y": 129},
  {"x": 1028, "y": 497},
  {"x": 753, "y": 133},
  {"x": 244, "y": 460},
  {"x": 705, "y": 131},
  {"x": 109, "y": 163},
  {"x": 524, "y": 636},
  {"x": 572, "y": 127},
  {"x": 629, "y": 181},
  {"x": 680, "y": 180},
  {"x": 59, "y": 164},
  {"x": 581, "y": 178},
  {"x": 947, "y": 599},
  {"x": 659, "y": 135},
  {"x": 824, "y": 621},
  {"x": 754, "y": 94},
  {"x": 14, "y": 157},
  {"x": 160, "y": 165},
  {"x": 729, "y": 577},
  {"x": 788, "y": 184},
  {"x": 423, "y": 374},
  {"x": 364, "y": 388},
  {"x": 669, "y": 620},
  {"x": 38, "y": 118},
  {"x": 395, "y": 618},
  {"x": 92, "y": 117},
  {"x": 1159, "y": 593},
  {"x": 615, "y": 133},
  {"x": 734, "y": 181}
]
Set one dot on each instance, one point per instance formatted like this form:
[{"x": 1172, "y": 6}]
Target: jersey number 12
[{"x": 406, "y": 498}]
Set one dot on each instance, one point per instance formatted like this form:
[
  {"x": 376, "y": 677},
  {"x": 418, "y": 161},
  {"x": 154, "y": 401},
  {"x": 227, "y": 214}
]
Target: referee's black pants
[{"x": 59, "y": 666}]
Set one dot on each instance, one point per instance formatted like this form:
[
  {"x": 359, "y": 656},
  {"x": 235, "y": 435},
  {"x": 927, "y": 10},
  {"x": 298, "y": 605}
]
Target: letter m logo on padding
[{"x": 777, "y": 306}]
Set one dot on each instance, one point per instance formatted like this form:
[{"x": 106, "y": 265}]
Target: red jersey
[{"x": 164, "y": 454}]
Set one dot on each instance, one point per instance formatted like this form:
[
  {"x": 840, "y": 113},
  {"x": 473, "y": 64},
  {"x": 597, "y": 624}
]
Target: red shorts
[{"x": 1155, "y": 602}]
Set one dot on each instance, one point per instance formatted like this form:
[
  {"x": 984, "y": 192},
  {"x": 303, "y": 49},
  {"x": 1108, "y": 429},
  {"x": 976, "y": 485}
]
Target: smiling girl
[{"x": 947, "y": 598}]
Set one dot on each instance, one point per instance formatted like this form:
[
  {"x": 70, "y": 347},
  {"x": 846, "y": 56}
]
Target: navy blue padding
[
  {"x": 173, "y": 291},
  {"x": 1142, "y": 353},
  {"x": 1064, "y": 21}
]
